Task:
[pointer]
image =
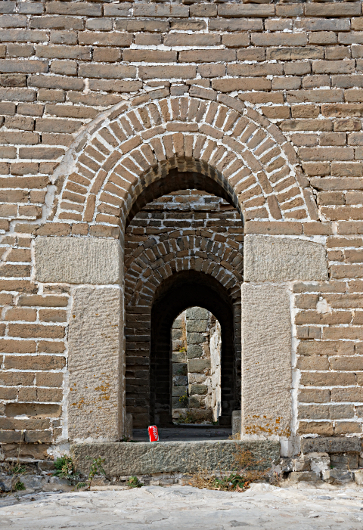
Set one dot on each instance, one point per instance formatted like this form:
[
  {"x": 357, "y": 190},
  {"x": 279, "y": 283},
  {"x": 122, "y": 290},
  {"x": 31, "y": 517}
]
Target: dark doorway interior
[{"x": 177, "y": 293}]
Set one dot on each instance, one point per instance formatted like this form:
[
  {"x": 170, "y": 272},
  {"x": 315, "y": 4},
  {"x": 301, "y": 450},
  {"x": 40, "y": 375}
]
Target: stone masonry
[
  {"x": 108, "y": 106},
  {"x": 196, "y": 367}
]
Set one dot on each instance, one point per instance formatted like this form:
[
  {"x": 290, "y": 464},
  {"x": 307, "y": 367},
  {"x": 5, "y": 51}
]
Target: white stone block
[
  {"x": 95, "y": 362},
  {"x": 266, "y": 360},
  {"x": 77, "y": 260},
  {"x": 277, "y": 259}
]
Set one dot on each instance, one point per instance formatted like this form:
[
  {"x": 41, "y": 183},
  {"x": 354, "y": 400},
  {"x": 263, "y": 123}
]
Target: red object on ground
[{"x": 153, "y": 433}]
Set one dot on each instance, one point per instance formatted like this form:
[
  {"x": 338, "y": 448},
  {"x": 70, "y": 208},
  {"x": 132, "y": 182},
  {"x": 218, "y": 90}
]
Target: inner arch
[
  {"x": 177, "y": 293},
  {"x": 178, "y": 180}
]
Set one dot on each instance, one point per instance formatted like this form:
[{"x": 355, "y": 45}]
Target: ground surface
[
  {"x": 190, "y": 433},
  {"x": 180, "y": 507}
]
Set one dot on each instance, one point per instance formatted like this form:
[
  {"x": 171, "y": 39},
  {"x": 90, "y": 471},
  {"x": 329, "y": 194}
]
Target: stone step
[{"x": 142, "y": 458}]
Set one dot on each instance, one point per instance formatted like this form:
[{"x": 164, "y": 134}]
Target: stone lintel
[
  {"x": 144, "y": 458},
  {"x": 77, "y": 260},
  {"x": 278, "y": 259},
  {"x": 96, "y": 372},
  {"x": 266, "y": 360}
]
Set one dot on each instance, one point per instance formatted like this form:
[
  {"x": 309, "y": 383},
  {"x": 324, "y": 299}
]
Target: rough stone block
[
  {"x": 303, "y": 476},
  {"x": 198, "y": 389},
  {"x": 274, "y": 259},
  {"x": 337, "y": 476},
  {"x": 197, "y": 313},
  {"x": 236, "y": 422},
  {"x": 180, "y": 380},
  {"x": 330, "y": 445},
  {"x": 95, "y": 364},
  {"x": 266, "y": 360},
  {"x": 125, "y": 459},
  {"x": 128, "y": 426},
  {"x": 199, "y": 365},
  {"x": 319, "y": 462},
  {"x": 344, "y": 461},
  {"x": 77, "y": 260},
  {"x": 197, "y": 326},
  {"x": 180, "y": 369},
  {"x": 194, "y": 350}
]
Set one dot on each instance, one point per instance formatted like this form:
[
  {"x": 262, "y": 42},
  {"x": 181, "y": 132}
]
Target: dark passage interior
[{"x": 187, "y": 289}]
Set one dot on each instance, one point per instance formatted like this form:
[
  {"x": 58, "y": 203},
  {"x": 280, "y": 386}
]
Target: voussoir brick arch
[
  {"x": 140, "y": 141},
  {"x": 207, "y": 254}
]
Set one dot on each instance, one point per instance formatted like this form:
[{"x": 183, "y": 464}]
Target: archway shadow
[{"x": 183, "y": 290}]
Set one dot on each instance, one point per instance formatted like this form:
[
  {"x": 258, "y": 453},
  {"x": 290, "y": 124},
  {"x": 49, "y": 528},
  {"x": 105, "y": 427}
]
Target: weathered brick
[
  {"x": 105, "y": 39},
  {"x": 74, "y": 8},
  {"x": 34, "y": 362},
  {"x": 109, "y": 71},
  {"x": 23, "y": 35},
  {"x": 57, "y": 22},
  {"x": 332, "y": 10},
  {"x": 278, "y": 39},
  {"x": 245, "y": 10},
  {"x": 185, "y": 39},
  {"x": 173, "y": 71},
  {"x": 42, "y": 153},
  {"x": 17, "y": 94},
  {"x": 159, "y": 10},
  {"x": 35, "y": 330},
  {"x": 57, "y": 82},
  {"x": 204, "y": 56},
  {"x": 235, "y": 24}
]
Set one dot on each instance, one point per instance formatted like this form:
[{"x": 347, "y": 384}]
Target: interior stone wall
[{"x": 196, "y": 367}]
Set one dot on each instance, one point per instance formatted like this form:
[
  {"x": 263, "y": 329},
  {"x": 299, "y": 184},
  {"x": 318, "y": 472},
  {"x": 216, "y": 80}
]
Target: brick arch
[
  {"x": 215, "y": 135},
  {"x": 201, "y": 253},
  {"x": 219, "y": 259}
]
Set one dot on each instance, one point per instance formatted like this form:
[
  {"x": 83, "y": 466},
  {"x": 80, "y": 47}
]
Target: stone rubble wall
[
  {"x": 196, "y": 361},
  {"x": 294, "y": 71}
]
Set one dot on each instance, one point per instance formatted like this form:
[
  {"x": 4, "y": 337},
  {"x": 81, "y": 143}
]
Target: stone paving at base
[{"x": 299, "y": 507}]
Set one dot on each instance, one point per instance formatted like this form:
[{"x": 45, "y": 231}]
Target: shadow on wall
[{"x": 196, "y": 367}]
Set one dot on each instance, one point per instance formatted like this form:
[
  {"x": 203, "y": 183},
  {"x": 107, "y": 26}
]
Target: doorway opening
[
  {"x": 196, "y": 368},
  {"x": 183, "y": 290},
  {"x": 183, "y": 249}
]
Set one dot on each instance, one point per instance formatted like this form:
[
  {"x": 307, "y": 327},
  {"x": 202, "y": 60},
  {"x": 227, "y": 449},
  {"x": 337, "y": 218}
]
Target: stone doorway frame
[{"x": 93, "y": 266}]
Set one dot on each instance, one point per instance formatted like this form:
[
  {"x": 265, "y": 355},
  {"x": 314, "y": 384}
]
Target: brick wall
[{"x": 294, "y": 71}]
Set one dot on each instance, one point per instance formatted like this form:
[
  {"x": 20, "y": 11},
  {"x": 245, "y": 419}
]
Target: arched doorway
[
  {"x": 182, "y": 234},
  {"x": 187, "y": 289},
  {"x": 85, "y": 238}
]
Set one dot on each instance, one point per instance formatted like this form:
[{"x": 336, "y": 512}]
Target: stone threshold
[{"x": 145, "y": 458}]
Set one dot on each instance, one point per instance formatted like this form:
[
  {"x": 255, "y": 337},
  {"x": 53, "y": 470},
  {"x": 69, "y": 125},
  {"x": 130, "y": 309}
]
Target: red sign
[{"x": 153, "y": 433}]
